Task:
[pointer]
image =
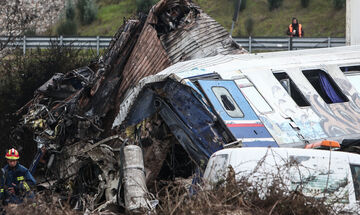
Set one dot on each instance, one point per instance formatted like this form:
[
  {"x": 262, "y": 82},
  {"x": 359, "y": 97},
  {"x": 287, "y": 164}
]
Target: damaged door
[{"x": 228, "y": 101}]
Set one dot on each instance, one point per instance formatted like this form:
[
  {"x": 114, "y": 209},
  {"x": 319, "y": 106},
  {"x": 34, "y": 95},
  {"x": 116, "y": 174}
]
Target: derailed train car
[
  {"x": 81, "y": 120},
  {"x": 283, "y": 99}
]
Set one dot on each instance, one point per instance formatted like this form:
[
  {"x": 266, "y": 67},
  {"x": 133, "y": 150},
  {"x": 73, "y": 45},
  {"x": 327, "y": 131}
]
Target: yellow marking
[{"x": 27, "y": 188}]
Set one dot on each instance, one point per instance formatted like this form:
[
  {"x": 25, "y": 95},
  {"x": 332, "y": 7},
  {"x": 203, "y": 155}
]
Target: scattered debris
[{"x": 71, "y": 116}]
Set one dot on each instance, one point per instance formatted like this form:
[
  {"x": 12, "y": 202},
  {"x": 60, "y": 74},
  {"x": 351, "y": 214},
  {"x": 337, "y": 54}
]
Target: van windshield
[{"x": 314, "y": 178}]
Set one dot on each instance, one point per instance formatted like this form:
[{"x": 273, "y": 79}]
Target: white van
[{"x": 314, "y": 170}]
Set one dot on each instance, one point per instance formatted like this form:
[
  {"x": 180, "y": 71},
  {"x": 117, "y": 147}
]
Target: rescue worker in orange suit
[
  {"x": 16, "y": 180},
  {"x": 295, "y": 29}
]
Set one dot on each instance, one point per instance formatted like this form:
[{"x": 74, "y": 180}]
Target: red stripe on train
[{"x": 245, "y": 125}]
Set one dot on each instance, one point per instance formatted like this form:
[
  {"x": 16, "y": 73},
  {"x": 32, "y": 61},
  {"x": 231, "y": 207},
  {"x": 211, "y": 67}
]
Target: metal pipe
[
  {"x": 135, "y": 189},
  {"x": 235, "y": 17}
]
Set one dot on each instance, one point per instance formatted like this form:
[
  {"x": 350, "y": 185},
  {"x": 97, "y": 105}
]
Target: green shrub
[
  {"x": 339, "y": 4},
  {"x": 305, "y": 3},
  {"x": 143, "y": 6},
  {"x": 87, "y": 11},
  {"x": 243, "y": 5},
  {"x": 31, "y": 31},
  {"x": 273, "y": 4},
  {"x": 249, "y": 25},
  {"x": 67, "y": 27},
  {"x": 70, "y": 10}
]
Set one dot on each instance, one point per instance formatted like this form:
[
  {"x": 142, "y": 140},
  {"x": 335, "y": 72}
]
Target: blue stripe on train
[
  {"x": 260, "y": 144},
  {"x": 250, "y": 132}
]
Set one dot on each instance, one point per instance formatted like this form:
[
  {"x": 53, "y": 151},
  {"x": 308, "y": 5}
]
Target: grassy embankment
[{"x": 320, "y": 19}]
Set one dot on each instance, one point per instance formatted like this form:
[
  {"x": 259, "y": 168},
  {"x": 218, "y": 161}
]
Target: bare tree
[{"x": 15, "y": 18}]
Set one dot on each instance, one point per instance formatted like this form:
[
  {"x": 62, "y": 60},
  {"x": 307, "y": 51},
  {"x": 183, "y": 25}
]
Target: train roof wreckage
[{"x": 106, "y": 132}]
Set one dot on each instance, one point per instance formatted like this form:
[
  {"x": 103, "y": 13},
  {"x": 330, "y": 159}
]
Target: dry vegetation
[
  {"x": 234, "y": 198},
  {"x": 239, "y": 197}
]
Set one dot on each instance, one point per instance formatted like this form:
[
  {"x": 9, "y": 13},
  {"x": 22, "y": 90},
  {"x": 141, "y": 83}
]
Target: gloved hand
[{"x": 13, "y": 189}]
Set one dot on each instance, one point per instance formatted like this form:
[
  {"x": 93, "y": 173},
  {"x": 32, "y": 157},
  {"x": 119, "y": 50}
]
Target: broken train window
[
  {"x": 291, "y": 89},
  {"x": 227, "y": 102},
  {"x": 352, "y": 73},
  {"x": 325, "y": 86}
]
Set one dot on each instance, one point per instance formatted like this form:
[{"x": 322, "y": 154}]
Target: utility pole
[
  {"x": 235, "y": 17},
  {"x": 352, "y": 22}
]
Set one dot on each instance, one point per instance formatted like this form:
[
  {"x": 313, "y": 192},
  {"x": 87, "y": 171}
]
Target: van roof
[{"x": 298, "y": 151}]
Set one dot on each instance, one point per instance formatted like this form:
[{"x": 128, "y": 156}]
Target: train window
[
  {"x": 351, "y": 69},
  {"x": 292, "y": 89},
  {"x": 325, "y": 86},
  {"x": 253, "y": 95},
  {"x": 227, "y": 102},
  {"x": 353, "y": 75}
]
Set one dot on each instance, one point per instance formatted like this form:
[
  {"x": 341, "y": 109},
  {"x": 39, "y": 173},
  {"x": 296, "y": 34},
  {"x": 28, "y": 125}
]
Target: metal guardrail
[
  {"x": 249, "y": 43},
  {"x": 47, "y": 42},
  {"x": 288, "y": 43}
]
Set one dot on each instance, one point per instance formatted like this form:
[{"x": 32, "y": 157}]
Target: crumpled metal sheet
[
  {"x": 61, "y": 86},
  {"x": 197, "y": 36},
  {"x": 174, "y": 31}
]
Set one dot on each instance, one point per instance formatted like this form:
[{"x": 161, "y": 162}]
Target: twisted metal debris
[{"x": 70, "y": 116}]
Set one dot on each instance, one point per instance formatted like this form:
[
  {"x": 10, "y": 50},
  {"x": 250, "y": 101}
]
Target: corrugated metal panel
[
  {"x": 147, "y": 58},
  {"x": 204, "y": 38}
]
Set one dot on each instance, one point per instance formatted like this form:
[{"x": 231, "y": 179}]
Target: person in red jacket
[{"x": 295, "y": 29}]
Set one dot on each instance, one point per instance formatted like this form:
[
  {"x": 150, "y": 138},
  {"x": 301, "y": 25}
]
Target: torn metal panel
[
  {"x": 122, "y": 44},
  {"x": 195, "y": 127},
  {"x": 131, "y": 96},
  {"x": 148, "y": 58},
  {"x": 203, "y": 37},
  {"x": 199, "y": 129},
  {"x": 61, "y": 86}
]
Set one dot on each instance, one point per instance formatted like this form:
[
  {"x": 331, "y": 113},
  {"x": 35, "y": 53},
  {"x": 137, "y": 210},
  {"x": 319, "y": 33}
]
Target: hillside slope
[{"x": 320, "y": 19}]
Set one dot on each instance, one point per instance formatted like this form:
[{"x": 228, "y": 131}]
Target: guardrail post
[
  {"x": 97, "y": 45},
  {"x": 329, "y": 42},
  {"x": 24, "y": 45},
  {"x": 61, "y": 40},
  {"x": 250, "y": 44},
  {"x": 290, "y": 44}
]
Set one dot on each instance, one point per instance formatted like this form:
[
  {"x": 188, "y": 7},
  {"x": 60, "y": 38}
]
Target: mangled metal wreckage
[
  {"x": 94, "y": 125},
  {"x": 68, "y": 125}
]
